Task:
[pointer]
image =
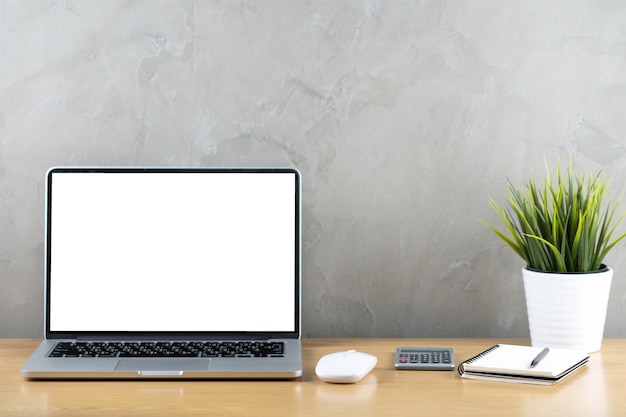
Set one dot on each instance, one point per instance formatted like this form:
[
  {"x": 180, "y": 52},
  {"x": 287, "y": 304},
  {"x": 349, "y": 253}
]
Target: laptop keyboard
[{"x": 168, "y": 349}]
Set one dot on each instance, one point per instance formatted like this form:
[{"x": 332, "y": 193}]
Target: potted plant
[{"x": 563, "y": 229}]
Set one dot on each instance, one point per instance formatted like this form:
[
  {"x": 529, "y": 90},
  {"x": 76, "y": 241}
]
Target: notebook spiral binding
[{"x": 460, "y": 368}]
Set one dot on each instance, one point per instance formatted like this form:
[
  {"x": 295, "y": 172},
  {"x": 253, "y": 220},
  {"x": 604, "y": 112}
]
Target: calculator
[{"x": 425, "y": 358}]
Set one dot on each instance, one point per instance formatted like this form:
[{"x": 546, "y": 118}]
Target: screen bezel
[{"x": 167, "y": 335}]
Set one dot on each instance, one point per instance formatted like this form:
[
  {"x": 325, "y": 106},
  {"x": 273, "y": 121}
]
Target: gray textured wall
[{"x": 403, "y": 116}]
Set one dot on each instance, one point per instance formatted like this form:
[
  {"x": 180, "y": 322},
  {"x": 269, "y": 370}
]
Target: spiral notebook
[{"x": 511, "y": 363}]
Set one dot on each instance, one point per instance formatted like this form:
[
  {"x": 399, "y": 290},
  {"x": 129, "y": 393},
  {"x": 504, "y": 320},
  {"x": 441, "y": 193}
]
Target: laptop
[{"x": 171, "y": 273}]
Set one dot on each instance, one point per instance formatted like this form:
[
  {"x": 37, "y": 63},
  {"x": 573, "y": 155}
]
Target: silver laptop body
[{"x": 171, "y": 273}]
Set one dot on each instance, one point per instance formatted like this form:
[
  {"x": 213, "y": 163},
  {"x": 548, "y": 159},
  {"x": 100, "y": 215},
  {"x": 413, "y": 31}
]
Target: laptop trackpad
[{"x": 163, "y": 364}]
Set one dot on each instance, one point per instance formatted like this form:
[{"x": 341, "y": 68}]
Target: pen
[{"x": 539, "y": 357}]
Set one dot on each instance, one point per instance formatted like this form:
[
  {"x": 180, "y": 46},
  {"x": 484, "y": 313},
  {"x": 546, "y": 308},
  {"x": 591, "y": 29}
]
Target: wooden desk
[{"x": 599, "y": 390}]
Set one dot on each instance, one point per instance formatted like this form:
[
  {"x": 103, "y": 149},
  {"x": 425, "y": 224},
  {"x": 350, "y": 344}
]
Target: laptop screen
[{"x": 173, "y": 250}]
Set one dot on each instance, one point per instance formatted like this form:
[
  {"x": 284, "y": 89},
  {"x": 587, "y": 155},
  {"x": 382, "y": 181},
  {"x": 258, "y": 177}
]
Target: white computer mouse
[{"x": 345, "y": 367}]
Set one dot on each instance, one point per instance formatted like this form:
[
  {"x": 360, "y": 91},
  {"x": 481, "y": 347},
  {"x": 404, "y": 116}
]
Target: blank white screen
[{"x": 172, "y": 252}]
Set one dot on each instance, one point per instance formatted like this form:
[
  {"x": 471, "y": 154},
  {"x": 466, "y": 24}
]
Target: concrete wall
[{"x": 403, "y": 117}]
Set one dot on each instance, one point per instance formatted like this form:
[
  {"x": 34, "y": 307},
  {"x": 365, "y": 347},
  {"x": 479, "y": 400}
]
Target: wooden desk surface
[{"x": 599, "y": 390}]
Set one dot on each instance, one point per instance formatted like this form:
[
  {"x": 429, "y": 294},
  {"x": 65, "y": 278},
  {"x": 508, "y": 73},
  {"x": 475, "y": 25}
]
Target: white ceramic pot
[{"x": 567, "y": 310}]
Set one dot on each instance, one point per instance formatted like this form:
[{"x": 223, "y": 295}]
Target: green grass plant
[{"x": 562, "y": 225}]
